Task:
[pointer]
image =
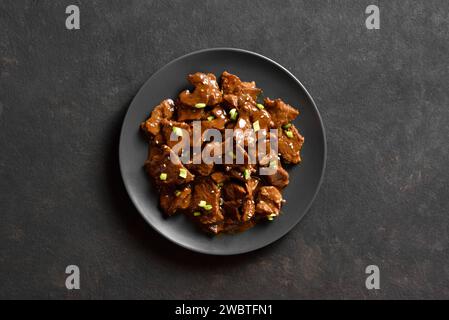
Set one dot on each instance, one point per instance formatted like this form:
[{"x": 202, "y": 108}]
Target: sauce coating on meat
[{"x": 228, "y": 193}]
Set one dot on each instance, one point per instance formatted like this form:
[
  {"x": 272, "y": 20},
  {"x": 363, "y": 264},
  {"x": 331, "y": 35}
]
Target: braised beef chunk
[
  {"x": 231, "y": 209},
  {"x": 188, "y": 113},
  {"x": 233, "y": 191},
  {"x": 163, "y": 111},
  {"x": 164, "y": 166},
  {"x": 249, "y": 209},
  {"x": 290, "y": 144},
  {"x": 174, "y": 200},
  {"x": 231, "y": 100},
  {"x": 232, "y": 84},
  {"x": 202, "y": 168},
  {"x": 269, "y": 201},
  {"x": 206, "y": 201},
  {"x": 216, "y": 119},
  {"x": 174, "y": 131},
  {"x": 206, "y": 90},
  {"x": 280, "y": 112},
  {"x": 230, "y": 184},
  {"x": 219, "y": 178},
  {"x": 280, "y": 178}
]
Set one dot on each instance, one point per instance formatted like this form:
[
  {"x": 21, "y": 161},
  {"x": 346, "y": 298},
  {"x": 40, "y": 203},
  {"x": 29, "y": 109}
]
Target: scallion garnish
[
  {"x": 177, "y": 131},
  {"x": 234, "y": 114},
  {"x": 200, "y": 105},
  {"x": 183, "y": 173},
  {"x": 247, "y": 174}
]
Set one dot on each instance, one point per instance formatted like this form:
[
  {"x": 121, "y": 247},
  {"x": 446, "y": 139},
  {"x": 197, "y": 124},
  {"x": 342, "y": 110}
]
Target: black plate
[{"x": 276, "y": 81}]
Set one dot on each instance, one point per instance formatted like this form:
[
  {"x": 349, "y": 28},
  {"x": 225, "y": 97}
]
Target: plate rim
[{"x": 315, "y": 109}]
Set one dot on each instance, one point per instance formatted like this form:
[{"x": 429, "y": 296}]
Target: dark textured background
[{"x": 383, "y": 96}]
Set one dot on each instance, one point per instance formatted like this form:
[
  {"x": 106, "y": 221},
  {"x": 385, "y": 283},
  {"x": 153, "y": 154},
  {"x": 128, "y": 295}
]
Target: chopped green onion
[
  {"x": 273, "y": 164},
  {"x": 177, "y": 193},
  {"x": 200, "y": 105},
  {"x": 202, "y": 204},
  {"x": 289, "y": 133},
  {"x": 260, "y": 106},
  {"x": 197, "y": 213},
  {"x": 256, "y": 126},
  {"x": 208, "y": 207},
  {"x": 163, "y": 176},
  {"x": 234, "y": 114},
  {"x": 177, "y": 131},
  {"x": 210, "y": 118},
  {"x": 271, "y": 217},
  {"x": 183, "y": 173},
  {"x": 219, "y": 185},
  {"x": 247, "y": 174},
  {"x": 286, "y": 126}
]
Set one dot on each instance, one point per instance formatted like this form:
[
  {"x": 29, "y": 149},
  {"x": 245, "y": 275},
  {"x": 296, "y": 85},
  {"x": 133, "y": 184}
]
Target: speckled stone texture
[{"x": 383, "y": 95}]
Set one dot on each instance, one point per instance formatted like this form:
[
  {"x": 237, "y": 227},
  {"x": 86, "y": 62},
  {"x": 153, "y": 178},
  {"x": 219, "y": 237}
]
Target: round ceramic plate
[{"x": 276, "y": 82}]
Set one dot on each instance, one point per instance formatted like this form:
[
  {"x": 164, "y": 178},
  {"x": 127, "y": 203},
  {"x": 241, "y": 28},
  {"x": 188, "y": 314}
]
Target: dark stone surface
[{"x": 383, "y": 96}]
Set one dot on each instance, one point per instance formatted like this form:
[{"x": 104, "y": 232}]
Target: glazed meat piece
[
  {"x": 202, "y": 168},
  {"x": 187, "y": 113},
  {"x": 163, "y": 111},
  {"x": 172, "y": 201},
  {"x": 216, "y": 119},
  {"x": 263, "y": 118},
  {"x": 221, "y": 184},
  {"x": 280, "y": 112},
  {"x": 269, "y": 201},
  {"x": 219, "y": 178},
  {"x": 206, "y": 201},
  {"x": 177, "y": 130},
  {"x": 231, "y": 209},
  {"x": 280, "y": 178},
  {"x": 206, "y": 90},
  {"x": 164, "y": 166},
  {"x": 290, "y": 144},
  {"x": 248, "y": 210},
  {"x": 233, "y": 191},
  {"x": 232, "y": 84}
]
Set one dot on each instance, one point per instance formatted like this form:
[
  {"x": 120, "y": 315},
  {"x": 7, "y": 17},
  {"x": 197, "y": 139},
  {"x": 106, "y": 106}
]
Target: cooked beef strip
[
  {"x": 219, "y": 177},
  {"x": 171, "y": 201},
  {"x": 188, "y": 113},
  {"x": 159, "y": 163},
  {"x": 201, "y": 169},
  {"x": 280, "y": 112},
  {"x": 168, "y": 128},
  {"x": 251, "y": 185},
  {"x": 206, "y": 190},
  {"x": 206, "y": 90},
  {"x": 249, "y": 208},
  {"x": 279, "y": 179},
  {"x": 233, "y": 191},
  {"x": 290, "y": 147},
  {"x": 231, "y": 209},
  {"x": 164, "y": 110},
  {"x": 232, "y": 84},
  {"x": 216, "y": 119},
  {"x": 269, "y": 201},
  {"x": 231, "y": 100}
]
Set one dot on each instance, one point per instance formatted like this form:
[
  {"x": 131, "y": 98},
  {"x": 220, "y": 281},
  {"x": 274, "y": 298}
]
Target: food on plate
[{"x": 216, "y": 153}]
